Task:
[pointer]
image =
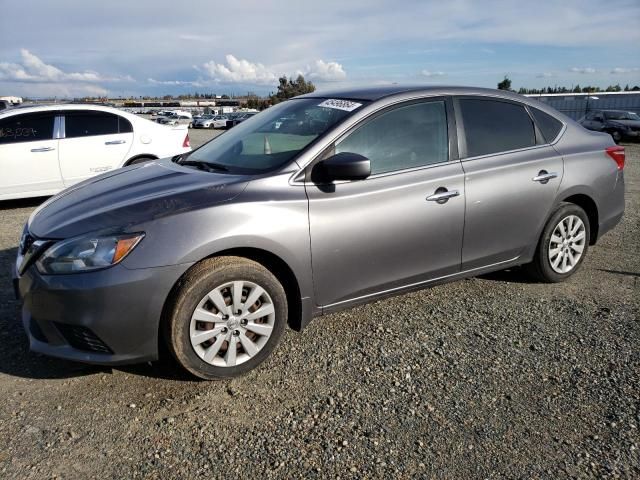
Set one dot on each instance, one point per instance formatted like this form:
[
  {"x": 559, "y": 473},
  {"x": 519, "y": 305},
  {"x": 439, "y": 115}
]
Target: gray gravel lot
[{"x": 490, "y": 377}]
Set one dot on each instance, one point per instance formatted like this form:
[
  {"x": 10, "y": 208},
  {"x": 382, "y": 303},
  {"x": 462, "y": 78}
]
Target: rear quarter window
[{"x": 548, "y": 125}]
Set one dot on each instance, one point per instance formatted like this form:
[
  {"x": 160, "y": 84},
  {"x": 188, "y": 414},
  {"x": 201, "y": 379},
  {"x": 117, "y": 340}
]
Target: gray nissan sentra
[{"x": 319, "y": 203}]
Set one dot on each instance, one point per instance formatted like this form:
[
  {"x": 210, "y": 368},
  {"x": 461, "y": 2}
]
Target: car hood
[{"x": 130, "y": 196}]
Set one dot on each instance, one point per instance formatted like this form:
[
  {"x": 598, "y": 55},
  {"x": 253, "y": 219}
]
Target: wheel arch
[
  {"x": 588, "y": 204},
  {"x": 298, "y": 317},
  {"x": 137, "y": 157}
]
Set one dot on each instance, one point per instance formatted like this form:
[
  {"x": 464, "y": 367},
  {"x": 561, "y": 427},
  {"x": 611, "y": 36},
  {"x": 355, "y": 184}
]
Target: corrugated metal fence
[{"x": 576, "y": 105}]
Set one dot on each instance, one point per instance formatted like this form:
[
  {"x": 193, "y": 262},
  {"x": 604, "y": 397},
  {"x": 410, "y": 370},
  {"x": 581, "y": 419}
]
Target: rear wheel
[
  {"x": 226, "y": 318},
  {"x": 617, "y": 136},
  {"x": 563, "y": 245}
]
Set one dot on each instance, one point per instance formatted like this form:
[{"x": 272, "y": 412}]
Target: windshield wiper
[{"x": 206, "y": 166}]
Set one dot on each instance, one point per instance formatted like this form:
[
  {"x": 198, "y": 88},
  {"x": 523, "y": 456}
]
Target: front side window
[
  {"x": 273, "y": 137},
  {"x": 27, "y": 127},
  {"x": 88, "y": 123},
  {"x": 405, "y": 137},
  {"x": 492, "y": 126}
]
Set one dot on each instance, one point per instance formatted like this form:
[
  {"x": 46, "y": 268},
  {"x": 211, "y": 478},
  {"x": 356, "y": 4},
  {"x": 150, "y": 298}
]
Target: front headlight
[{"x": 88, "y": 253}]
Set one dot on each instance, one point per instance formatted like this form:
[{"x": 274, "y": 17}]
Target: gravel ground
[{"x": 490, "y": 377}]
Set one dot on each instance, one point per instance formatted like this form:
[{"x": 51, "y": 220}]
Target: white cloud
[
  {"x": 236, "y": 70},
  {"x": 546, "y": 75},
  {"x": 33, "y": 69},
  {"x": 428, "y": 73},
  {"x": 174, "y": 83},
  {"x": 622, "y": 70},
  {"x": 325, "y": 71},
  {"x": 239, "y": 71},
  {"x": 583, "y": 70}
]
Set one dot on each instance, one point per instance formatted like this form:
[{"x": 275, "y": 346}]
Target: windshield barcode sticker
[{"x": 346, "y": 105}]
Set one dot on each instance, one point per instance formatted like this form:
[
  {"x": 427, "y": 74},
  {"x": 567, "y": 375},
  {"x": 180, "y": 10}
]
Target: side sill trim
[{"x": 425, "y": 282}]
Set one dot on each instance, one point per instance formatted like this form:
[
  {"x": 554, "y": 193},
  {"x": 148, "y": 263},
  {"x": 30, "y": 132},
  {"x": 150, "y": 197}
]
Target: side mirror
[{"x": 342, "y": 166}]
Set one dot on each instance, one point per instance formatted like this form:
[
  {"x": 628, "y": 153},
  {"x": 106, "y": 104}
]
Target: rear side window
[
  {"x": 405, "y": 137},
  {"x": 492, "y": 126},
  {"x": 549, "y": 126},
  {"x": 29, "y": 127},
  {"x": 87, "y": 124}
]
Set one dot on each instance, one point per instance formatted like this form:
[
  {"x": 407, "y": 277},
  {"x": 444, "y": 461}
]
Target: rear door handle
[
  {"x": 42, "y": 149},
  {"x": 544, "y": 176},
  {"x": 442, "y": 195},
  {"x": 115, "y": 142}
]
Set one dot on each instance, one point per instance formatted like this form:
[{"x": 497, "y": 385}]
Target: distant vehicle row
[{"x": 44, "y": 149}]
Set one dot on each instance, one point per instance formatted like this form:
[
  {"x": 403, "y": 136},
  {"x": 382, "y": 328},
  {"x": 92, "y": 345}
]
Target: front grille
[{"x": 82, "y": 338}]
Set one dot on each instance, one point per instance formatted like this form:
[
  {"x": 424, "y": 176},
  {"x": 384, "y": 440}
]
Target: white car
[{"x": 44, "y": 149}]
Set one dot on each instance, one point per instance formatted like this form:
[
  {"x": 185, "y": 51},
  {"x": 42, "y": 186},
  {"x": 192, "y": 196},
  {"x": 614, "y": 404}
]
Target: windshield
[
  {"x": 621, "y": 116},
  {"x": 275, "y": 136}
]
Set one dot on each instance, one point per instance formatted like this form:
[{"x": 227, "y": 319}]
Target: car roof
[
  {"x": 34, "y": 108},
  {"x": 378, "y": 92}
]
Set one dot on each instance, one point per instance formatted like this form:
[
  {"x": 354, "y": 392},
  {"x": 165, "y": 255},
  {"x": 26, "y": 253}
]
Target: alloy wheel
[{"x": 566, "y": 244}]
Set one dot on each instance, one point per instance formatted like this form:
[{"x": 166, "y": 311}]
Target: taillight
[
  {"x": 617, "y": 153},
  {"x": 187, "y": 144}
]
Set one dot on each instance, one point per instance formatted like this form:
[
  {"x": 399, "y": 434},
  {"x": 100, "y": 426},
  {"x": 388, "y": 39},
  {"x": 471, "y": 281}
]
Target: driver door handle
[
  {"x": 114, "y": 142},
  {"x": 441, "y": 195},
  {"x": 544, "y": 176},
  {"x": 42, "y": 149}
]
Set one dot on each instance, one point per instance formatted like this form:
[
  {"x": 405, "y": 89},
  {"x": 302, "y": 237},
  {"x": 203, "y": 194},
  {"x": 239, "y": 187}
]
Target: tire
[
  {"x": 617, "y": 136},
  {"x": 542, "y": 267},
  {"x": 192, "y": 311},
  {"x": 138, "y": 160}
]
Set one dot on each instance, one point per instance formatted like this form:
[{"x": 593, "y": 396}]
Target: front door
[
  {"x": 28, "y": 156},
  {"x": 389, "y": 231}
]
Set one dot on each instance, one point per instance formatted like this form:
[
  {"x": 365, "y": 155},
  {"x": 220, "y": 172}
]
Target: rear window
[
  {"x": 493, "y": 126},
  {"x": 87, "y": 123},
  {"x": 549, "y": 126},
  {"x": 27, "y": 127}
]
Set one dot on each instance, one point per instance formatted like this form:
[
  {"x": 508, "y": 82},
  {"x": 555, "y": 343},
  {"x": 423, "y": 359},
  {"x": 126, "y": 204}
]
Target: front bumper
[{"x": 107, "y": 317}]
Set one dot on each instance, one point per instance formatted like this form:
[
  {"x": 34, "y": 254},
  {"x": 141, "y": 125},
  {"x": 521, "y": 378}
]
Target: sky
[{"x": 155, "y": 47}]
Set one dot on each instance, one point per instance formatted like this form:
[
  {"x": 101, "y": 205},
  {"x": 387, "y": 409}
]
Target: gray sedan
[{"x": 359, "y": 195}]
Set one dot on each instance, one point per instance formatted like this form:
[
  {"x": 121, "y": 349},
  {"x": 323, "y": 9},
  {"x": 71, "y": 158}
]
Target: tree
[
  {"x": 288, "y": 87},
  {"x": 505, "y": 84}
]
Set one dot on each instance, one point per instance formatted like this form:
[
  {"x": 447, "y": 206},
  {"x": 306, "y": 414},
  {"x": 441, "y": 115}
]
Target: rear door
[
  {"x": 512, "y": 176},
  {"x": 94, "y": 142},
  {"x": 388, "y": 231},
  {"x": 29, "y": 155}
]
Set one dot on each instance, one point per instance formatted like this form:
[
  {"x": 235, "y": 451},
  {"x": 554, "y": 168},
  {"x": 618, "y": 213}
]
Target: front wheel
[
  {"x": 562, "y": 246},
  {"x": 226, "y": 318}
]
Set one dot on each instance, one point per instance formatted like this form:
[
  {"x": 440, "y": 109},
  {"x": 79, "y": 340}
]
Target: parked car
[
  {"x": 176, "y": 118},
  {"x": 621, "y": 125},
  {"x": 236, "y": 118},
  {"x": 375, "y": 192},
  {"x": 44, "y": 149},
  {"x": 211, "y": 121}
]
